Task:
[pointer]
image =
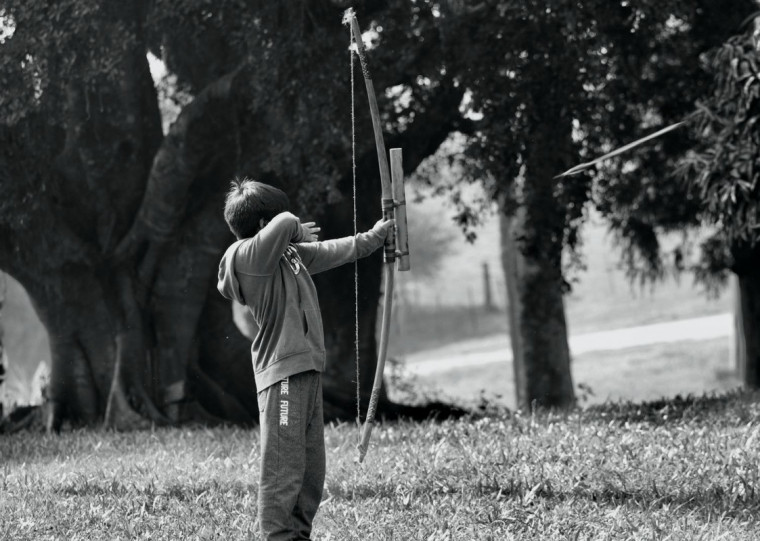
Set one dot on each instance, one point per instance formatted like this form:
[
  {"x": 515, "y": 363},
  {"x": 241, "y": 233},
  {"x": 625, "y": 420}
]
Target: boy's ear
[{"x": 262, "y": 223}]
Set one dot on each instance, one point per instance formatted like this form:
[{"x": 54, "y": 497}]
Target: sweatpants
[{"x": 292, "y": 456}]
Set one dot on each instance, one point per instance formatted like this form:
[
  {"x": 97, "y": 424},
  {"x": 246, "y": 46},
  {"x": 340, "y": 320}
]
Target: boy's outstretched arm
[{"x": 325, "y": 255}]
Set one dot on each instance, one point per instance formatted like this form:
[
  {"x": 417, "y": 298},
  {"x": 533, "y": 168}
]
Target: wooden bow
[{"x": 392, "y": 208}]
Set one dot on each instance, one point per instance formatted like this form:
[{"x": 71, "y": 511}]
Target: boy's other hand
[
  {"x": 383, "y": 227},
  {"x": 310, "y": 230}
]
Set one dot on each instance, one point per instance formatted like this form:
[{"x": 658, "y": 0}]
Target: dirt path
[{"x": 495, "y": 349}]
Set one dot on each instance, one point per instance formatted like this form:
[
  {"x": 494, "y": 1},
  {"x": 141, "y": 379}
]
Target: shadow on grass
[
  {"x": 85, "y": 488},
  {"x": 739, "y": 405},
  {"x": 708, "y": 502}
]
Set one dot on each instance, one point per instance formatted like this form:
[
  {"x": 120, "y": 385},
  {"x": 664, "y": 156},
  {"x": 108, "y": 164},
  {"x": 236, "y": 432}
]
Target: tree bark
[
  {"x": 737, "y": 351},
  {"x": 747, "y": 313},
  {"x": 532, "y": 241},
  {"x": 749, "y": 288},
  {"x": 3, "y": 356},
  {"x": 511, "y": 261},
  {"x": 82, "y": 327},
  {"x": 224, "y": 357}
]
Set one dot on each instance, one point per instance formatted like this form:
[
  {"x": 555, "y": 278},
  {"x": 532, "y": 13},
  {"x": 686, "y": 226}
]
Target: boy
[{"x": 268, "y": 269}]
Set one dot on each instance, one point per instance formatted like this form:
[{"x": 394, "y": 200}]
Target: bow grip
[{"x": 399, "y": 211}]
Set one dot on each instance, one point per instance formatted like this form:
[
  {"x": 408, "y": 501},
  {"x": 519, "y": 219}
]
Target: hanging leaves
[{"x": 723, "y": 169}]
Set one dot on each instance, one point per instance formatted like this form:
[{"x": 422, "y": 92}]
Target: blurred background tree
[
  {"x": 115, "y": 227},
  {"x": 551, "y": 83},
  {"x": 721, "y": 170},
  {"x": 702, "y": 180}
]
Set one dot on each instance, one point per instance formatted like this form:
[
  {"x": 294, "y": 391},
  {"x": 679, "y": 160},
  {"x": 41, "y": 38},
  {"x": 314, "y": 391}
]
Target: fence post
[{"x": 487, "y": 291}]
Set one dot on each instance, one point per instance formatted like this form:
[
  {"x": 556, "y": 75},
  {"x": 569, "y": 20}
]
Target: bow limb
[
  {"x": 381, "y": 356},
  {"x": 390, "y": 243}
]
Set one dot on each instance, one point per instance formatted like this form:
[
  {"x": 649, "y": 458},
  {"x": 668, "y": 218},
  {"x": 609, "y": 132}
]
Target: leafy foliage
[
  {"x": 604, "y": 73},
  {"x": 723, "y": 168},
  {"x": 641, "y": 194}
]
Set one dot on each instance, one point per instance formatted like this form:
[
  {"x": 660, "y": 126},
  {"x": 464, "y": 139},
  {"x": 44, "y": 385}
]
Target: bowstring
[{"x": 356, "y": 231}]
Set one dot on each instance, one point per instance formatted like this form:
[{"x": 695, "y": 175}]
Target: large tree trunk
[
  {"x": 748, "y": 334},
  {"x": 3, "y": 357},
  {"x": 537, "y": 327},
  {"x": 84, "y": 330},
  {"x": 512, "y": 262},
  {"x": 737, "y": 352},
  {"x": 532, "y": 240},
  {"x": 747, "y": 314}
]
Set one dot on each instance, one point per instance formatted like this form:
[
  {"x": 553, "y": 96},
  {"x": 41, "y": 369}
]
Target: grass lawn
[
  {"x": 677, "y": 470},
  {"x": 683, "y": 469}
]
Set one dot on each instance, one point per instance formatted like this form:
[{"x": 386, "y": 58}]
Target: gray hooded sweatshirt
[{"x": 270, "y": 274}]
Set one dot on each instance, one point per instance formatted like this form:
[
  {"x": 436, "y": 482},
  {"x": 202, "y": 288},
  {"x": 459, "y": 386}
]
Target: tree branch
[{"x": 199, "y": 133}]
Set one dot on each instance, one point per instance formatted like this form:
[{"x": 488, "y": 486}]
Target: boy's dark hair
[{"x": 248, "y": 201}]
